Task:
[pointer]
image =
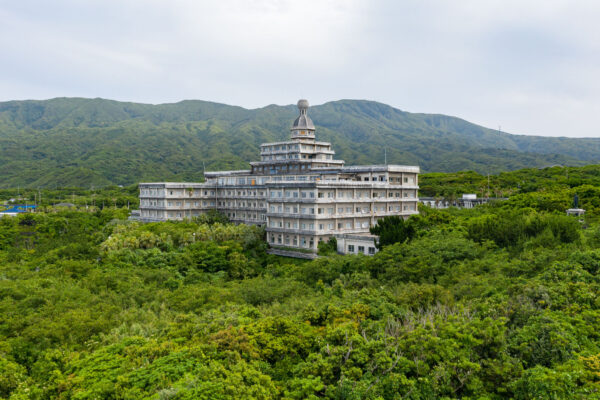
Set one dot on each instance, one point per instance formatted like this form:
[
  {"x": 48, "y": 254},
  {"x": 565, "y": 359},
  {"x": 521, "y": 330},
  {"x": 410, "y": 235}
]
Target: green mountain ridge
[{"x": 84, "y": 142}]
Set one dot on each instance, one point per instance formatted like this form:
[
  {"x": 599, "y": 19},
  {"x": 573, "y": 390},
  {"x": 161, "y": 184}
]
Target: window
[
  {"x": 361, "y": 249},
  {"x": 320, "y": 227},
  {"x": 371, "y": 250},
  {"x": 350, "y": 248}
]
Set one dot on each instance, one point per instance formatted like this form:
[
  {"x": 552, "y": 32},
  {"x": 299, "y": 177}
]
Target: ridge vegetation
[{"x": 95, "y": 142}]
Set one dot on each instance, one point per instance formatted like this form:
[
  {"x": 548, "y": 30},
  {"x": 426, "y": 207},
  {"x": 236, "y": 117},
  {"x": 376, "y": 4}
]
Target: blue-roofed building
[{"x": 16, "y": 209}]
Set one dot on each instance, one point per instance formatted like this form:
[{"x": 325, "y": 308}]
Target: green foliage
[
  {"x": 84, "y": 142},
  {"x": 495, "y": 302},
  {"x": 512, "y": 228},
  {"x": 392, "y": 229},
  {"x": 329, "y": 247}
]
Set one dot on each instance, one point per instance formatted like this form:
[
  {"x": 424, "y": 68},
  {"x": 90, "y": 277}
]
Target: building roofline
[
  {"x": 308, "y": 141},
  {"x": 228, "y": 173},
  {"x": 373, "y": 168}
]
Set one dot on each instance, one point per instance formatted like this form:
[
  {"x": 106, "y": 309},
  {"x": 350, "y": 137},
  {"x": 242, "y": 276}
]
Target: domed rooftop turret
[{"x": 303, "y": 125}]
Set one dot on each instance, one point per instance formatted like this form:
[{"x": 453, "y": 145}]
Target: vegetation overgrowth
[
  {"x": 84, "y": 142},
  {"x": 497, "y": 302}
]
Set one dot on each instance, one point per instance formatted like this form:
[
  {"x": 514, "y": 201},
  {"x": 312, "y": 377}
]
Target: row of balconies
[
  {"x": 284, "y": 184},
  {"x": 296, "y": 231},
  {"x": 361, "y": 214},
  {"x": 337, "y": 215},
  {"x": 320, "y": 200},
  {"x": 340, "y": 200},
  {"x": 245, "y": 208},
  {"x": 281, "y": 201}
]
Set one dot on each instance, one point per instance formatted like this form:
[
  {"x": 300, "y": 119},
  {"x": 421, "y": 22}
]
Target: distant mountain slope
[{"x": 83, "y": 142}]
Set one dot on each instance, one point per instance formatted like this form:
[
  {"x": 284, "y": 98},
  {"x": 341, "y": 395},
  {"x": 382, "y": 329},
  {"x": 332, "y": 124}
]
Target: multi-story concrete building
[{"x": 298, "y": 191}]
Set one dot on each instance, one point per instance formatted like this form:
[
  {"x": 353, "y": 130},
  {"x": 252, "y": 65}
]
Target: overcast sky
[{"x": 531, "y": 67}]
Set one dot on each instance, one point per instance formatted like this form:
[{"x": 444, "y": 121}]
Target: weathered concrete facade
[{"x": 298, "y": 191}]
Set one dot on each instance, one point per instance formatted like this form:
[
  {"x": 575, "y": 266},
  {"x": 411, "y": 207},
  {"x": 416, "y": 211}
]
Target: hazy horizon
[{"x": 529, "y": 67}]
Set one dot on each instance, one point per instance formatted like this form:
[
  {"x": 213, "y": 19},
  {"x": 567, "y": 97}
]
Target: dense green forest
[
  {"x": 497, "y": 302},
  {"x": 95, "y": 142},
  {"x": 80, "y": 198}
]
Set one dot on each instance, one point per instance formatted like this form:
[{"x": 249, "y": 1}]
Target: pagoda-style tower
[
  {"x": 299, "y": 155},
  {"x": 303, "y": 127}
]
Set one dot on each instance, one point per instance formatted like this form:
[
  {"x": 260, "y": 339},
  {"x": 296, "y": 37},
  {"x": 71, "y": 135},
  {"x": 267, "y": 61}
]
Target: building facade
[{"x": 298, "y": 191}]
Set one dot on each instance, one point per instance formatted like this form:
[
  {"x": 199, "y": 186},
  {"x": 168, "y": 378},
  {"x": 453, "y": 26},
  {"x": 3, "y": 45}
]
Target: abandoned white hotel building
[{"x": 298, "y": 191}]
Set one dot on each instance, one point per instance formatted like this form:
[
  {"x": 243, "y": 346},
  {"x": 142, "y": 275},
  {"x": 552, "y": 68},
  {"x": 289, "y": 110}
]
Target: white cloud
[{"x": 530, "y": 66}]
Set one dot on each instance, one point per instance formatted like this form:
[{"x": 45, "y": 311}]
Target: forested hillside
[
  {"x": 496, "y": 302},
  {"x": 85, "y": 142}
]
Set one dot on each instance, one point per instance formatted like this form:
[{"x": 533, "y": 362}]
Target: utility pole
[{"x": 385, "y": 154}]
